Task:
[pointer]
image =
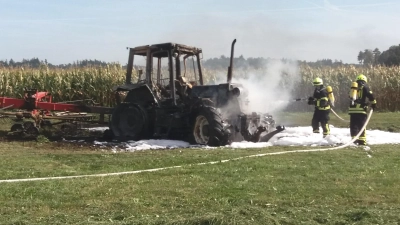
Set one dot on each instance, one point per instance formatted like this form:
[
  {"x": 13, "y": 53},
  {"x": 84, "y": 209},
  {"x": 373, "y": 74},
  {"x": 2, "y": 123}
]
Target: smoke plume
[{"x": 268, "y": 90}]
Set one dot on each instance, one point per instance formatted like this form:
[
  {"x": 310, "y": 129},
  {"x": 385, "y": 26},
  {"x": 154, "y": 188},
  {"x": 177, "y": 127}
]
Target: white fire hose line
[
  {"x": 340, "y": 118},
  {"x": 195, "y": 164}
]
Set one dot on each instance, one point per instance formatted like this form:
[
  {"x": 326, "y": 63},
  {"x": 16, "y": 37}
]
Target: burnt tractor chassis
[{"x": 184, "y": 109}]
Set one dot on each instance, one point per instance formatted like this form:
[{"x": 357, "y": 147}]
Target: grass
[
  {"x": 54, "y": 159},
  {"x": 332, "y": 187}
]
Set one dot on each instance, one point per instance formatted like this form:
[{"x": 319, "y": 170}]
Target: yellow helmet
[
  {"x": 317, "y": 81},
  {"x": 361, "y": 77}
]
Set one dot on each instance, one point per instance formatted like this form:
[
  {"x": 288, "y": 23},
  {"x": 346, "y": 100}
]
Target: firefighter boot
[{"x": 361, "y": 142}]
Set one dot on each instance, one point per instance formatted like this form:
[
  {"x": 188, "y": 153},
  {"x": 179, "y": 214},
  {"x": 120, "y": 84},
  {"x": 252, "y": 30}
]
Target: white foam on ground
[
  {"x": 245, "y": 144},
  {"x": 154, "y": 144},
  {"x": 292, "y": 136},
  {"x": 97, "y": 128}
]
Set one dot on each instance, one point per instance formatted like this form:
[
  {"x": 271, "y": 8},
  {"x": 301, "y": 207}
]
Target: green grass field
[{"x": 346, "y": 186}]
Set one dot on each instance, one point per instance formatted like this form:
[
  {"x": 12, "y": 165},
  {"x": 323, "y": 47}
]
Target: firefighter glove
[
  {"x": 373, "y": 106},
  {"x": 310, "y": 101}
]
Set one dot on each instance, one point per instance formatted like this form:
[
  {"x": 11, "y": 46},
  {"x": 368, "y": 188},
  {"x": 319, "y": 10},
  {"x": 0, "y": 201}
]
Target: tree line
[
  {"x": 257, "y": 63},
  {"x": 37, "y": 63},
  {"x": 389, "y": 57},
  {"x": 212, "y": 63}
]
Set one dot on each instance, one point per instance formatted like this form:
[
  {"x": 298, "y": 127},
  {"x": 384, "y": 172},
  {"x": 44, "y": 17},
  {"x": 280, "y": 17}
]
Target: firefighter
[
  {"x": 322, "y": 105},
  {"x": 358, "y": 107}
]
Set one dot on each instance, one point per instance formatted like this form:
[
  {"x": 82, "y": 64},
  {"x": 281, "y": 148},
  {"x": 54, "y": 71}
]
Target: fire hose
[
  {"x": 326, "y": 149},
  {"x": 359, "y": 133},
  {"x": 340, "y": 118},
  {"x": 333, "y": 111}
]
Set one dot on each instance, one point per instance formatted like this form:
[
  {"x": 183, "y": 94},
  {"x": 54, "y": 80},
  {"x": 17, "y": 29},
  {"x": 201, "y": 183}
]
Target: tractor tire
[
  {"x": 208, "y": 128},
  {"x": 17, "y": 127},
  {"x": 129, "y": 122}
]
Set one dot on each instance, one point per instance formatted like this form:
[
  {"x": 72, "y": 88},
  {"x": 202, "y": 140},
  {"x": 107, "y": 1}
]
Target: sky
[
  {"x": 66, "y": 31},
  {"x": 291, "y": 136}
]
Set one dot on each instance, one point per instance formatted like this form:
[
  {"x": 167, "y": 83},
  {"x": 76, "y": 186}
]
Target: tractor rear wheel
[
  {"x": 208, "y": 128},
  {"x": 17, "y": 128},
  {"x": 129, "y": 121}
]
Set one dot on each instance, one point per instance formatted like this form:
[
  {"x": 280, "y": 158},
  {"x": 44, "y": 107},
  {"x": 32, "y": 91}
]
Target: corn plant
[{"x": 97, "y": 82}]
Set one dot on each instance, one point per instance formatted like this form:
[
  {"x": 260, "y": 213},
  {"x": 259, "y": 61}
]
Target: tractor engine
[{"x": 230, "y": 101}]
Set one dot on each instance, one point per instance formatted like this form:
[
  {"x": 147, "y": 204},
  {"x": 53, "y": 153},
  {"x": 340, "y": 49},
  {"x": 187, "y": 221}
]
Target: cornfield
[
  {"x": 65, "y": 85},
  {"x": 97, "y": 83}
]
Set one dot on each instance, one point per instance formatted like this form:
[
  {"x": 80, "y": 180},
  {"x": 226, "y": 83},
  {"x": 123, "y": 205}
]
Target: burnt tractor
[{"x": 168, "y": 102}]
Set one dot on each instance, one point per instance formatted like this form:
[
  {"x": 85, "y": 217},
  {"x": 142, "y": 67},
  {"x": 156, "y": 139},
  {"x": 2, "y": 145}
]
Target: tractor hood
[
  {"x": 220, "y": 94},
  {"x": 128, "y": 87}
]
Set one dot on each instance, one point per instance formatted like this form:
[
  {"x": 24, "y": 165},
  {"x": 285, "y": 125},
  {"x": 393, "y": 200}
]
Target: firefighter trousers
[
  {"x": 357, "y": 121},
  {"x": 321, "y": 117}
]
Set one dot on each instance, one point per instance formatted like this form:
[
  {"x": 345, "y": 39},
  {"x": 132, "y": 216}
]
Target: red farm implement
[{"x": 39, "y": 107}]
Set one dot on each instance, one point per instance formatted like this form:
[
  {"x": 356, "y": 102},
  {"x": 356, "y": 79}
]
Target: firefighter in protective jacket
[
  {"x": 322, "y": 103},
  {"x": 358, "y": 107}
]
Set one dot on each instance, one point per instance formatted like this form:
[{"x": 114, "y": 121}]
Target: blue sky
[{"x": 67, "y": 30}]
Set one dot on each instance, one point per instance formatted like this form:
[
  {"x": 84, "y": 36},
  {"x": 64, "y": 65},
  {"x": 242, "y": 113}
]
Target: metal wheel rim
[{"x": 198, "y": 131}]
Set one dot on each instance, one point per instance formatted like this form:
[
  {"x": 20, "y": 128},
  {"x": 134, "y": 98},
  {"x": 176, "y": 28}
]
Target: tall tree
[
  {"x": 390, "y": 57},
  {"x": 376, "y": 54},
  {"x": 360, "y": 57},
  {"x": 11, "y": 62},
  {"x": 368, "y": 57}
]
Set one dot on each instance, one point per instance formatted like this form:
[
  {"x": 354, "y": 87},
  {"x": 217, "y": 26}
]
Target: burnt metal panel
[{"x": 141, "y": 95}]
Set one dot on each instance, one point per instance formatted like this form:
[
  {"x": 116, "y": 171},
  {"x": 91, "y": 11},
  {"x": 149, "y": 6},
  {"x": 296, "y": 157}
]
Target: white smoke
[{"x": 268, "y": 90}]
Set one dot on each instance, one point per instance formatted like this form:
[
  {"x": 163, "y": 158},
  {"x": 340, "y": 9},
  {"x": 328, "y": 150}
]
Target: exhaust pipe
[{"x": 231, "y": 62}]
